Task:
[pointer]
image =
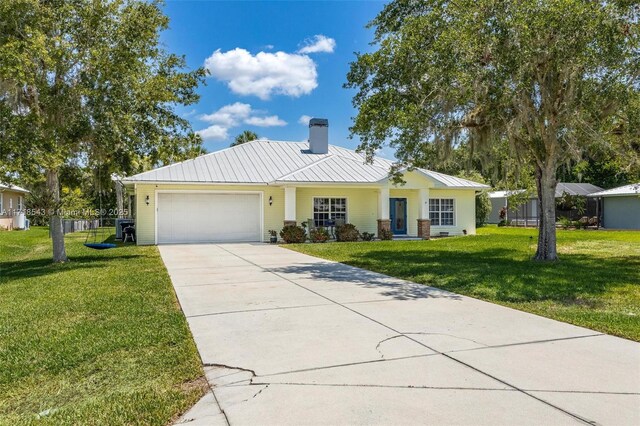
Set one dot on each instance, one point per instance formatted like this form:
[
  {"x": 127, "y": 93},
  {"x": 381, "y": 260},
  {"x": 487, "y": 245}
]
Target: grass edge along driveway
[
  {"x": 596, "y": 283},
  {"x": 98, "y": 340}
]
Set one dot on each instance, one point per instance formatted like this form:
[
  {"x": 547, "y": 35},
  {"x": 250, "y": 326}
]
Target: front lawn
[
  {"x": 596, "y": 284},
  {"x": 99, "y": 340}
]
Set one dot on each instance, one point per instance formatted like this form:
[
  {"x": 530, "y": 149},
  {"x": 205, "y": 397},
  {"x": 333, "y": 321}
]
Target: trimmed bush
[
  {"x": 367, "y": 236},
  {"x": 319, "y": 235},
  {"x": 347, "y": 232},
  {"x": 385, "y": 235},
  {"x": 293, "y": 234}
]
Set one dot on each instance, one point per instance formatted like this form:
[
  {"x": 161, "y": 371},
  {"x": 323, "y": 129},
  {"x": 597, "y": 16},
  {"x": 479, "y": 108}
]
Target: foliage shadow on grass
[
  {"x": 34, "y": 268},
  {"x": 510, "y": 280}
]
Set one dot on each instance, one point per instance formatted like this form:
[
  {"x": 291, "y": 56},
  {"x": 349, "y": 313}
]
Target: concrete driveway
[{"x": 292, "y": 339}]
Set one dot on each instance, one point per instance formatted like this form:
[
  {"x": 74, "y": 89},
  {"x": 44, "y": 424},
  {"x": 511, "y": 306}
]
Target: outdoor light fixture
[
  {"x": 147, "y": 200},
  {"x": 270, "y": 200}
]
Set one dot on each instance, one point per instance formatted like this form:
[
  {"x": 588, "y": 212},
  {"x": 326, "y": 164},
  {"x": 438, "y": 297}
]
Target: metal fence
[{"x": 75, "y": 225}]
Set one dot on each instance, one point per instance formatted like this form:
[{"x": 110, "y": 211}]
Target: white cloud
[
  {"x": 269, "y": 121},
  {"x": 228, "y": 115},
  {"x": 233, "y": 115},
  {"x": 214, "y": 132},
  {"x": 264, "y": 74},
  {"x": 304, "y": 120},
  {"x": 318, "y": 43},
  {"x": 189, "y": 113}
]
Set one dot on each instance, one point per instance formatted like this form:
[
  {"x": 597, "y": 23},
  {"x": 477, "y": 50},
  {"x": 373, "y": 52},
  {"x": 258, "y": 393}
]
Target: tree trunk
[
  {"x": 546, "y": 183},
  {"x": 55, "y": 220}
]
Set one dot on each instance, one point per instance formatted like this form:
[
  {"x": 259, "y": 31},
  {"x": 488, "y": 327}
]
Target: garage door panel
[{"x": 208, "y": 217}]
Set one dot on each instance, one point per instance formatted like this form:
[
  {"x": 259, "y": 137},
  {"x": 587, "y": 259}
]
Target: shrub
[
  {"x": 385, "y": 235},
  {"x": 565, "y": 222},
  {"x": 347, "y": 232},
  {"x": 318, "y": 235},
  {"x": 293, "y": 234},
  {"x": 483, "y": 208},
  {"x": 367, "y": 236}
]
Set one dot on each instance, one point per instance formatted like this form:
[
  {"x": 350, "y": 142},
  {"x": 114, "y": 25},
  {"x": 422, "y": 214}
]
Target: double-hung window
[
  {"x": 325, "y": 209},
  {"x": 442, "y": 211},
  {"x": 20, "y": 203}
]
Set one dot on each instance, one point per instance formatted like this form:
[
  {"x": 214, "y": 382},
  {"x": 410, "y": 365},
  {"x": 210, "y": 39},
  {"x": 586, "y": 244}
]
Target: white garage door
[{"x": 205, "y": 217}]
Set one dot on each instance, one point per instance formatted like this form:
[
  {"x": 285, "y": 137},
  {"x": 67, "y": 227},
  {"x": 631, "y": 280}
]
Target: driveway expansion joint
[
  {"x": 257, "y": 310},
  {"x": 349, "y": 385},
  {"x": 425, "y": 333},
  {"x": 349, "y": 364},
  {"x": 532, "y": 342}
]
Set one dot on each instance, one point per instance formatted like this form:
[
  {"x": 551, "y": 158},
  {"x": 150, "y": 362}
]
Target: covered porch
[{"x": 403, "y": 211}]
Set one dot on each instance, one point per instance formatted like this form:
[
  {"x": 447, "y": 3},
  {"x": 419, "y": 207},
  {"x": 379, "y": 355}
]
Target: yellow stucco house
[
  {"x": 240, "y": 193},
  {"x": 12, "y": 210}
]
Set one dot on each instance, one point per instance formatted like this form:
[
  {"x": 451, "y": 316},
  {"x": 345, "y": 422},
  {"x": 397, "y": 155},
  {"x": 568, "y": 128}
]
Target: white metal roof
[
  {"x": 273, "y": 162},
  {"x": 504, "y": 194},
  {"x": 15, "y": 188},
  {"x": 452, "y": 181},
  {"x": 576, "y": 188},
  {"x": 562, "y": 187},
  {"x": 621, "y": 191}
]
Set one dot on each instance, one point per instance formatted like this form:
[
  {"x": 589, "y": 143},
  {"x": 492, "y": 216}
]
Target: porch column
[
  {"x": 424, "y": 224},
  {"x": 383, "y": 210},
  {"x": 289, "y": 205}
]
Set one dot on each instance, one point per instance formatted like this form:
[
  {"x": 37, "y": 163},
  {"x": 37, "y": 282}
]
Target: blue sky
[{"x": 272, "y": 62}]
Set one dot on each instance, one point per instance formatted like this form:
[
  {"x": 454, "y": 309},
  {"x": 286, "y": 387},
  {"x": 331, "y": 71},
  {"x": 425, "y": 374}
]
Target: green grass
[
  {"x": 596, "y": 284},
  {"x": 98, "y": 340}
]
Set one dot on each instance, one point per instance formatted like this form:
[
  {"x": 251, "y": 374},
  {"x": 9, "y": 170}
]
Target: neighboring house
[
  {"x": 529, "y": 211},
  {"x": 620, "y": 207},
  {"x": 240, "y": 193},
  {"x": 12, "y": 210},
  {"x": 499, "y": 200}
]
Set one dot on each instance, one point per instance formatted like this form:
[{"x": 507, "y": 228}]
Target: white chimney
[{"x": 319, "y": 135}]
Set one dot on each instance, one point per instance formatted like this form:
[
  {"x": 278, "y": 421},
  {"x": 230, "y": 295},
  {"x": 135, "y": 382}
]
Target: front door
[{"x": 398, "y": 215}]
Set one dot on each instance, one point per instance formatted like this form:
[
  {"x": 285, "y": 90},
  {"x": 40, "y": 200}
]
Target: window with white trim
[
  {"x": 20, "y": 203},
  {"x": 325, "y": 209},
  {"x": 1, "y": 204},
  {"x": 442, "y": 211}
]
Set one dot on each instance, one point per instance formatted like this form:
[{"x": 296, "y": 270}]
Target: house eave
[
  {"x": 19, "y": 191},
  {"x": 182, "y": 182},
  {"x": 613, "y": 195}
]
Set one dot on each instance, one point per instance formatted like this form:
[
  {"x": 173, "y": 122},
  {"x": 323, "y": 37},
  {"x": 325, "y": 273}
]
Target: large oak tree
[
  {"x": 556, "y": 80},
  {"x": 87, "y": 83}
]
